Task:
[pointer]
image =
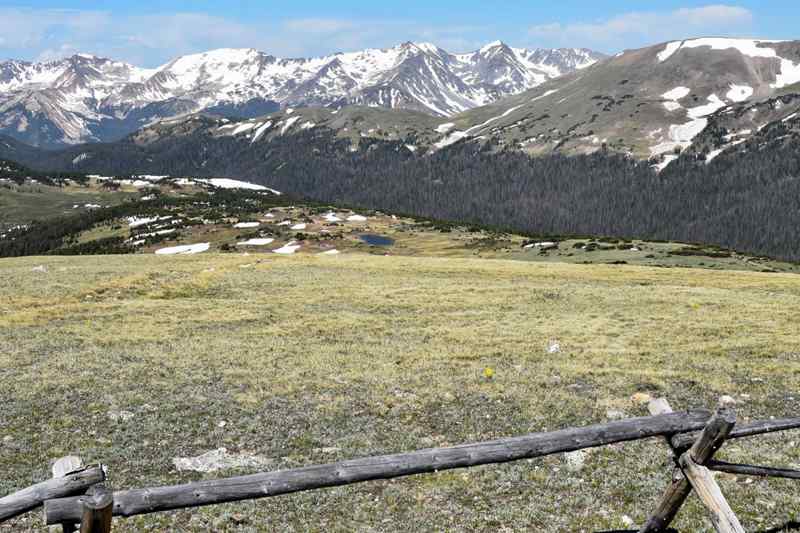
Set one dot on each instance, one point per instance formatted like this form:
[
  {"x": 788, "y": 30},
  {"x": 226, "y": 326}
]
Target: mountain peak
[
  {"x": 422, "y": 46},
  {"x": 91, "y": 98},
  {"x": 492, "y": 45}
]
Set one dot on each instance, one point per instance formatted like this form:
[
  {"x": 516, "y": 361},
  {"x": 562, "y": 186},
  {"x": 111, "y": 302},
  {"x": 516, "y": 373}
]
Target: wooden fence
[{"x": 76, "y": 496}]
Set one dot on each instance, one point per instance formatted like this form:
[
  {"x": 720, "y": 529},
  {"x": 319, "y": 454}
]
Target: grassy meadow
[{"x": 311, "y": 359}]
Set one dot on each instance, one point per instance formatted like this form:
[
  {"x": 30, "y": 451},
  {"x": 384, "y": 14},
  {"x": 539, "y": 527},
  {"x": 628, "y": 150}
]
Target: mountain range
[
  {"x": 695, "y": 141},
  {"x": 85, "y": 98}
]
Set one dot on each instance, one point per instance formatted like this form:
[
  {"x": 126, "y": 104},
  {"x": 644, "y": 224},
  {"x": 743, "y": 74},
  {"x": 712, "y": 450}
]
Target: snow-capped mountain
[
  {"x": 86, "y": 98},
  {"x": 652, "y": 102}
]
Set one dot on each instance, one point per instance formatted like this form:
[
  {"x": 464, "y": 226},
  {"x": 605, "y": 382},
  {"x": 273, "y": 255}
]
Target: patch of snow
[
  {"x": 288, "y": 249},
  {"x": 135, "y": 222},
  {"x": 672, "y": 106},
  {"x": 226, "y": 183},
  {"x": 677, "y": 93},
  {"x": 739, "y": 93},
  {"x": 330, "y": 252},
  {"x": 185, "y": 250},
  {"x": 241, "y": 128},
  {"x": 713, "y": 154},
  {"x": 289, "y": 123},
  {"x": 789, "y": 74},
  {"x": 255, "y": 242},
  {"x": 260, "y": 131},
  {"x": 300, "y": 226},
  {"x": 547, "y": 93},
  {"x": 444, "y": 128},
  {"x": 331, "y": 217},
  {"x": 451, "y": 139},
  {"x": 79, "y": 158},
  {"x": 356, "y": 218},
  {"x": 669, "y": 158},
  {"x": 669, "y": 50},
  {"x": 242, "y": 225},
  {"x": 546, "y": 245},
  {"x": 714, "y": 104}
]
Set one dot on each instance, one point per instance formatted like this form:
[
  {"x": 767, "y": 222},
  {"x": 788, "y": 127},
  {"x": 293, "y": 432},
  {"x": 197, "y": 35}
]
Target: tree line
[{"x": 748, "y": 201}]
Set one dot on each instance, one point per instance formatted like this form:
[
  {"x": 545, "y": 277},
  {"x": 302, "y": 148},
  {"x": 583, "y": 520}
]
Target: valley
[{"x": 165, "y": 216}]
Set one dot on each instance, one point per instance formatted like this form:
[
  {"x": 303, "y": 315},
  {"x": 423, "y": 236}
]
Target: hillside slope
[
  {"x": 746, "y": 200},
  {"x": 647, "y": 102}
]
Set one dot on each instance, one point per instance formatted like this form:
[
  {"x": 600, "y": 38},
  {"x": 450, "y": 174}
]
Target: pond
[{"x": 376, "y": 240}]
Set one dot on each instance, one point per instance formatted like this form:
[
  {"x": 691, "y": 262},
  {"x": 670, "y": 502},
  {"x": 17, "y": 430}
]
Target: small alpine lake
[{"x": 376, "y": 240}]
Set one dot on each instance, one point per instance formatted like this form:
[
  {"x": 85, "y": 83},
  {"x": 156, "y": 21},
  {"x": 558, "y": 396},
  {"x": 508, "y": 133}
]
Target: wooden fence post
[
  {"x": 679, "y": 488},
  {"x": 62, "y": 467},
  {"x": 97, "y": 510},
  {"x": 703, "y": 449}
]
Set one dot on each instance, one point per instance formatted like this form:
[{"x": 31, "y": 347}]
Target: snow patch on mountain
[
  {"x": 789, "y": 73},
  {"x": 739, "y": 93},
  {"x": 677, "y": 93},
  {"x": 669, "y": 51},
  {"x": 714, "y": 104},
  {"x": 81, "y": 98}
]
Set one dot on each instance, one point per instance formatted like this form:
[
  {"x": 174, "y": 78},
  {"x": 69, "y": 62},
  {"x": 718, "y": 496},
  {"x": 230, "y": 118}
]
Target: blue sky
[{"x": 150, "y": 32}]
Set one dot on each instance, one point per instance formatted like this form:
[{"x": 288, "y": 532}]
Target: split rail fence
[{"x": 76, "y": 497}]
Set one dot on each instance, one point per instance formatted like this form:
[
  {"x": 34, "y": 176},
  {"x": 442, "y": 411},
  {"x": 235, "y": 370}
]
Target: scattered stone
[
  {"x": 120, "y": 416},
  {"x": 328, "y": 450},
  {"x": 65, "y": 465},
  {"x": 41, "y": 268},
  {"x": 575, "y": 460},
  {"x": 220, "y": 459},
  {"x": 8, "y": 438},
  {"x": 725, "y": 400},
  {"x": 627, "y": 521},
  {"x": 641, "y": 398},
  {"x": 615, "y": 414},
  {"x": 222, "y": 424},
  {"x": 553, "y": 347}
]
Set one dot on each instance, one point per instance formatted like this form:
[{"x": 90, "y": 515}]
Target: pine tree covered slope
[{"x": 746, "y": 199}]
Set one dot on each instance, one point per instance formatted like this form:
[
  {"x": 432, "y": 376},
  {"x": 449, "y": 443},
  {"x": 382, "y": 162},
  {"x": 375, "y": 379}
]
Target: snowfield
[
  {"x": 185, "y": 250},
  {"x": 226, "y": 183},
  {"x": 256, "y": 242},
  {"x": 288, "y": 249}
]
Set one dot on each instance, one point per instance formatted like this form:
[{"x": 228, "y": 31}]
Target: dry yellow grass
[{"x": 369, "y": 355}]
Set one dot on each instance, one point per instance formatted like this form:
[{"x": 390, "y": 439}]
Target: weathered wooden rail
[{"x": 79, "y": 497}]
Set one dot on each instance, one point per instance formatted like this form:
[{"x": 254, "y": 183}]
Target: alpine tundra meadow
[{"x": 280, "y": 266}]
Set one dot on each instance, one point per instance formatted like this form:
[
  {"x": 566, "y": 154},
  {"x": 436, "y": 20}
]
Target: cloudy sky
[{"x": 150, "y": 32}]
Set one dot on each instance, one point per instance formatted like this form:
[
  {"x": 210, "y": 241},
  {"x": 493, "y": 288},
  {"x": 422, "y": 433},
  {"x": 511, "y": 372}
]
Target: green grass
[
  {"x": 24, "y": 203},
  {"x": 371, "y": 355}
]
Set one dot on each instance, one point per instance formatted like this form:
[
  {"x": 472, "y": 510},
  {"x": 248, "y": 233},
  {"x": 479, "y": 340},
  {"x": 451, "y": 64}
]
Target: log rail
[{"x": 693, "y": 436}]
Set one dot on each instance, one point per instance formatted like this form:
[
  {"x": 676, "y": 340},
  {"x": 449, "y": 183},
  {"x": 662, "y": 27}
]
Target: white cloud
[
  {"x": 319, "y": 25},
  {"x": 30, "y": 27},
  {"x": 646, "y": 27},
  {"x": 151, "y": 40}
]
